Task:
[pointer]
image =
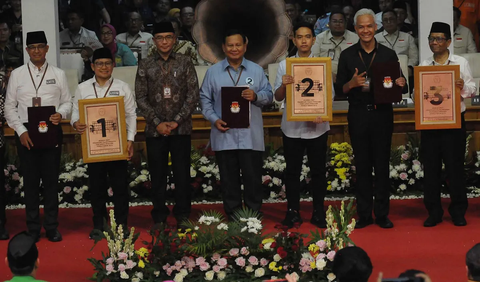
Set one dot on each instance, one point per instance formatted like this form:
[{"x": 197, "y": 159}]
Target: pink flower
[
  {"x": 178, "y": 265},
  {"x": 131, "y": 264},
  {"x": 321, "y": 244},
  {"x": 15, "y": 176},
  {"x": 234, "y": 252},
  {"x": 200, "y": 260},
  {"x": 8, "y": 187},
  {"x": 253, "y": 260},
  {"x": 67, "y": 189},
  {"x": 110, "y": 192},
  {"x": 166, "y": 266},
  {"x": 110, "y": 261},
  {"x": 321, "y": 256},
  {"x": 416, "y": 162},
  {"x": 263, "y": 262},
  {"x": 121, "y": 267},
  {"x": 405, "y": 156},
  {"x": 222, "y": 262},
  {"x": 244, "y": 251},
  {"x": 169, "y": 271},
  {"x": 109, "y": 268},
  {"x": 5, "y": 172},
  {"x": 304, "y": 261},
  {"x": 216, "y": 268},
  {"x": 308, "y": 179},
  {"x": 204, "y": 266},
  {"x": 403, "y": 176},
  {"x": 122, "y": 256},
  {"x": 266, "y": 178},
  {"x": 216, "y": 256},
  {"x": 331, "y": 255},
  {"x": 240, "y": 261}
]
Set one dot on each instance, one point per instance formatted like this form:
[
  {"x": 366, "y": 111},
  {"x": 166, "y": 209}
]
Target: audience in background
[
  {"x": 174, "y": 13},
  {"x": 76, "y": 35},
  {"x": 135, "y": 37},
  {"x": 400, "y": 8},
  {"x": 13, "y": 16},
  {"x": 322, "y": 23},
  {"x": 349, "y": 12},
  {"x": 470, "y": 16},
  {"x": 162, "y": 8},
  {"x": 122, "y": 54},
  {"x": 187, "y": 16},
  {"x": 463, "y": 40},
  {"x": 10, "y": 53}
]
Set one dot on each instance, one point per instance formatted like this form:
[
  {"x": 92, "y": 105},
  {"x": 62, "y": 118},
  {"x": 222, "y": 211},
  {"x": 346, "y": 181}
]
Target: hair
[
  {"x": 79, "y": 13},
  {"x": 400, "y": 4},
  {"x": 129, "y": 14},
  {"x": 303, "y": 24},
  {"x": 231, "y": 32},
  {"x": 291, "y": 2},
  {"x": 188, "y": 4},
  {"x": 363, "y": 12},
  {"x": 23, "y": 271},
  {"x": 455, "y": 10},
  {"x": 3, "y": 21},
  {"x": 410, "y": 273},
  {"x": 389, "y": 11},
  {"x": 337, "y": 12},
  {"x": 473, "y": 262},
  {"x": 352, "y": 264}
]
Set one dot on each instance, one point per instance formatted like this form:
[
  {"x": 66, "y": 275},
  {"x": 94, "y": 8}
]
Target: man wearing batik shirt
[
  {"x": 114, "y": 172},
  {"x": 166, "y": 87}
]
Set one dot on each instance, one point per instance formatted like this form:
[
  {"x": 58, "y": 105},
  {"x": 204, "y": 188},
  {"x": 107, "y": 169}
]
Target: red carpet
[{"x": 439, "y": 251}]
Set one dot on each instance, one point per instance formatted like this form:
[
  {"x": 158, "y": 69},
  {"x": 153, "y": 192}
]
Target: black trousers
[
  {"x": 370, "y": 131},
  {"x": 230, "y": 163},
  {"x": 3, "y": 193},
  {"x": 41, "y": 164},
  {"x": 447, "y": 145},
  {"x": 101, "y": 175},
  {"x": 157, "y": 150},
  {"x": 294, "y": 149}
]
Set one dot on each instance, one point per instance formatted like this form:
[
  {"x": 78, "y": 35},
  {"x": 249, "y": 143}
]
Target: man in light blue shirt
[
  {"x": 240, "y": 148},
  {"x": 298, "y": 136}
]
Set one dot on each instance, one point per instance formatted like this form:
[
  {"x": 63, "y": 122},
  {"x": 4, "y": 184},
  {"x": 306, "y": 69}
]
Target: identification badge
[
  {"x": 366, "y": 85},
  {"x": 36, "y": 102},
  {"x": 331, "y": 54},
  {"x": 167, "y": 93}
]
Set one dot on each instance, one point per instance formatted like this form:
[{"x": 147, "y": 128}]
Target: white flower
[
  {"x": 335, "y": 184},
  {"x": 221, "y": 275},
  {"x": 209, "y": 275},
  {"x": 135, "y": 279},
  {"x": 321, "y": 263},
  {"x": 78, "y": 198},
  {"x": 393, "y": 173},
  {"x": 184, "y": 272},
  {"x": 144, "y": 172},
  {"x": 124, "y": 275},
  {"x": 193, "y": 172},
  {"x": 402, "y": 187},
  {"x": 411, "y": 181},
  {"x": 277, "y": 181},
  {"x": 416, "y": 167},
  {"x": 178, "y": 277},
  {"x": 331, "y": 276},
  {"x": 259, "y": 272},
  {"x": 222, "y": 226},
  {"x": 277, "y": 257},
  {"x": 249, "y": 268}
]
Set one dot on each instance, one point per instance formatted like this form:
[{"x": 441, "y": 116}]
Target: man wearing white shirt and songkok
[
  {"x": 114, "y": 172},
  {"x": 301, "y": 136},
  {"x": 446, "y": 145},
  {"x": 38, "y": 83},
  {"x": 134, "y": 37},
  {"x": 463, "y": 40}
]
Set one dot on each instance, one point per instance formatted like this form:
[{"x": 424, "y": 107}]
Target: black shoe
[
  {"x": 292, "y": 218},
  {"x": 35, "y": 235},
  {"x": 3, "y": 233},
  {"x": 363, "y": 222},
  {"x": 54, "y": 235},
  {"x": 459, "y": 221},
  {"x": 384, "y": 222},
  {"x": 318, "y": 219},
  {"x": 432, "y": 221},
  {"x": 95, "y": 234}
]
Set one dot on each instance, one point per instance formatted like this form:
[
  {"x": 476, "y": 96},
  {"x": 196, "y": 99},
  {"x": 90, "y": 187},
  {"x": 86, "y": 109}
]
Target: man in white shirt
[
  {"x": 382, "y": 5},
  {"x": 298, "y": 136},
  {"x": 134, "y": 37},
  {"x": 463, "y": 40},
  {"x": 332, "y": 42},
  {"x": 447, "y": 145},
  {"x": 38, "y": 84},
  {"x": 114, "y": 172},
  {"x": 400, "y": 42},
  {"x": 76, "y": 35}
]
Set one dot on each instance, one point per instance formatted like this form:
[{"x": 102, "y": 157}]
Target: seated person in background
[
  {"x": 332, "y": 42},
  {"x": 400, "y": 42},
  {"x": 322, "y": 23},
  {"x": 352, "y": 264},
  {"x": 174, "y": 13},
  {"x": 76, "y": 35},
  {"x": 382, "y": 6},
  {"x": 162, "y": 9},
  {"x": 463, "y": 40},
  {"x": 187, "y": 16},
  {"x": 22, "y": 258},
  {"x": 134, "y": 37},
  {"x": 400, "y": 8},
  {"x": 473, "y": 263},
  {"x": 123, "y": 55},
  {"x": 10, "y": 53},
  {"x": 349, "y": 12}
]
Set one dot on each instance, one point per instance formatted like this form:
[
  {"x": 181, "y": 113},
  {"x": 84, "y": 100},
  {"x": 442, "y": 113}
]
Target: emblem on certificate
[
  {"x": 310, "y": 95},
  {"x": 437, "y": 99},
  {"x": 387, "y": 82},
  {"x": 42, "y": 126},
  {"x": 235, "y": 107}
]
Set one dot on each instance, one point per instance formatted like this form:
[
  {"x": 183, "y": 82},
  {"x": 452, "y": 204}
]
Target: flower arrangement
[
  {"x": 210, "y": 249},
  {"x": 339, "y": 167},
  {"x": 13, "y": 184},
  {"x": 73, "y": 183}
]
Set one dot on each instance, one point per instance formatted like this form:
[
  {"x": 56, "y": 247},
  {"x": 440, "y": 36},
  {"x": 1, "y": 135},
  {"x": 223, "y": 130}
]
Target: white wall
[
  {"x": 42, "y": 15},
  {"x": 430, "y": 11}
]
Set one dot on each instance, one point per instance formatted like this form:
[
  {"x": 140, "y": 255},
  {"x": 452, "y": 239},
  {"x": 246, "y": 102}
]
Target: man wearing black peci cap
[
  {"x": 37, "y": 83},
  {"x": 115, "y": 172},
  {"x": 166, "y": 87},
  {"x": 447, "y": 145},
  {"x": 22, "y": 258}
]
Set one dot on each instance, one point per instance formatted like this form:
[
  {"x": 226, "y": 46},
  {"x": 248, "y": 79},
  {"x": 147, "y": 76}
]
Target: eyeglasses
[
  {"x": 38, "y": 47},
  {"x": 392, "y": 20},
  {"x": 106, "y": 33},
  {"x": 438, "y": 39},
  {"x": 101, "y": 64},
  {"x": 338, "y": 22},
  {"x": 166, "y": 38}
]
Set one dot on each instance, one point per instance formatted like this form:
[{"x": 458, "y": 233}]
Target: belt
[{"x": 371, "y": 107}]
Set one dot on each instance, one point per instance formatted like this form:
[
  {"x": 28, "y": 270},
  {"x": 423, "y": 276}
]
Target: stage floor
[{"x": 439, "y": 251}]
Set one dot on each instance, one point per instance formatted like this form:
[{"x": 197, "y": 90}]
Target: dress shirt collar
[
  {"x": 450, "y": 59},
  {"x": 78, "y": 33},
  {"x": 329, "y": 35},
  {"x": 225, "y": 64},
  {"x": 310, "y": 56},
  {"x": 385, "y": 33},
  {"x": 359, "y": 46},
  {"x": 34, "y": 68},
  {"x": 105, "y": 85}
]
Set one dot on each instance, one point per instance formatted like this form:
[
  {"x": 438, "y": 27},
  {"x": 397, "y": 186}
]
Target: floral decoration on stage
[{"x": 212, "y": 249}]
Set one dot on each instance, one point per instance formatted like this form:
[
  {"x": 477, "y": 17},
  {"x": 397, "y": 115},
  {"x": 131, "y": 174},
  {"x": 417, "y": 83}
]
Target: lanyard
[
  {"x": 231, "y": 77},
  {"x": 393, "y": 46},
  {"x": 34, "y": 85},
  {"x": 134, "y": 39},
  {"x": 371, "y": 62},
  {"x": 79, "y": 38},
  {"x": 95, "y": 89},
  {"x": 336, "y": 45}
]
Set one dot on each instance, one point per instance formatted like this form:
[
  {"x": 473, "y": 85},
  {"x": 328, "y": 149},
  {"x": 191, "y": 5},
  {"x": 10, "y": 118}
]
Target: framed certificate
[
  {"x": 437, "y": 100},
  {"x": 310, "y": 95},
  {"x": 105, "y": 138}
]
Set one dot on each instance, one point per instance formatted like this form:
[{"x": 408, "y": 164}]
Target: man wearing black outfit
[{"x": 370, "y": 125}]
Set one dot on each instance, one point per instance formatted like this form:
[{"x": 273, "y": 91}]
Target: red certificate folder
[
  {"x": 385, "y": 91},
  {"x": 235, "y": 108},
  {"x": 42, "y": 131}
]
